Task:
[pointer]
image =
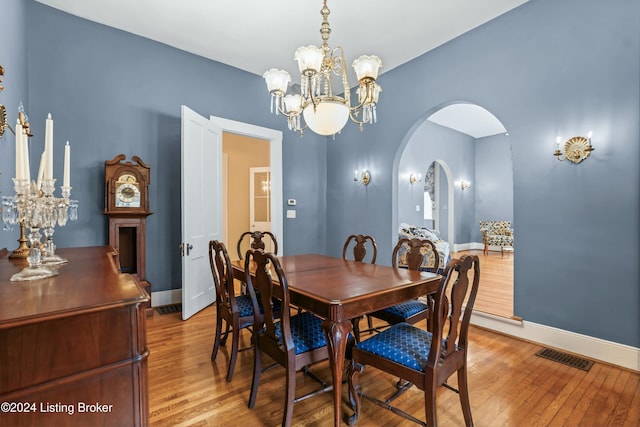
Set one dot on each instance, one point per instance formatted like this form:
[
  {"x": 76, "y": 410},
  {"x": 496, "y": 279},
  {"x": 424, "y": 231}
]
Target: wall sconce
[
  {"x": 575, "y": 149},
  {"x": 365, "y": 178},
  {"x": 465, "y": 185},
  {"x": 413, "y": 178}
]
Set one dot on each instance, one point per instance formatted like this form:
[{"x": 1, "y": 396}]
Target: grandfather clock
[{"x": 126, "y": 204}]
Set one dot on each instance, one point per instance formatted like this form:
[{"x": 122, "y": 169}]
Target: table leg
[{"x": 337, "y": 334}]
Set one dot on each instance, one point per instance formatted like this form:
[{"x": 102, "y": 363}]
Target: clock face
[{"x": 127, "y": 192}]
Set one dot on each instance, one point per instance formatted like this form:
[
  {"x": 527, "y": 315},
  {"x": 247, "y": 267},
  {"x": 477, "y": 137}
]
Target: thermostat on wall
[{"x": 291, "y": 202}]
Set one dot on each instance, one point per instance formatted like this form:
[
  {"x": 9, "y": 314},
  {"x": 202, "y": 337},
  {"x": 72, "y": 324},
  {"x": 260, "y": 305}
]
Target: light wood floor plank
[
  {"x": 508, "y": 386},
  {"x": 495, "y": 293}
]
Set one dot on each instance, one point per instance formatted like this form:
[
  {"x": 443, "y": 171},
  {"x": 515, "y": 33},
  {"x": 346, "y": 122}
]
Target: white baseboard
[
  {"x": 467, "y": 246},
  {"x": 160, "y": 298},
  {"x": 593, "y": 348},
  {"x": 474, "y": 246}
]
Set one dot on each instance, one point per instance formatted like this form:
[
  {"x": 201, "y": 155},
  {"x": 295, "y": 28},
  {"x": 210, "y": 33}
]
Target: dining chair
[
  {"x": 413, "y": 254},
  {"x": 360, "y": 247},
  {"x": 359, "y": 251},
  {"x": 257, "y": 241},
  {"x": 236, "y": 311},
  {"x": 424, "y": 358},
  {"x": 293, "y": 341}
]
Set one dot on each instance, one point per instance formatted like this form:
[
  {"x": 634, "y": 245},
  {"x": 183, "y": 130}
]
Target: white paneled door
[{"x": 201, "y": 160}]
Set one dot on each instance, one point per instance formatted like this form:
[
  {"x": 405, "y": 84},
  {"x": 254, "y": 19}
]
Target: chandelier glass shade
[{"x": 319, "y": 106}]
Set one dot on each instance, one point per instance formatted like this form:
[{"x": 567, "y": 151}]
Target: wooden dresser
[{"x": 73, "y": 348}]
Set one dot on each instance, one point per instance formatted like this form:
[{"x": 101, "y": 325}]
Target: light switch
[
  {"x": 291, "y": 213},
  {"x": 417, "y": 208}
]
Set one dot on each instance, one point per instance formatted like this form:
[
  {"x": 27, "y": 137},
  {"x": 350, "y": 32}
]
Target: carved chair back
[
  {"x": 257, "y": 241},
  {"x": 416, "y": 254},
  {"x": 360, "y": 247}
]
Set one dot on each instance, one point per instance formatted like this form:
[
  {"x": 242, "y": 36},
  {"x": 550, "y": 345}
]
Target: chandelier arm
[
  {"x": 355, "y": 119},
  {"x": 356, "y": 108},
  {"x": 282, "y": 110}
]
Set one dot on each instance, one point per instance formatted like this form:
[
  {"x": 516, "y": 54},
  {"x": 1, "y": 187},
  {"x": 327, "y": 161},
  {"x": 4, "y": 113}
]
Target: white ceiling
[
  {"x": 255, "y": 35},
  {"x": 470, "y": 119}
]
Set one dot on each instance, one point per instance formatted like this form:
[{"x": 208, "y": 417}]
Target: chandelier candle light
[
  {"x": 34, "y": 205},
  {"x": 324, "y": 112}
]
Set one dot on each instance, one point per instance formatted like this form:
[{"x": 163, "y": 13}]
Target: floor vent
[
  {"x": 167, "y": 309},
  {"x": 567, "y": 359}
]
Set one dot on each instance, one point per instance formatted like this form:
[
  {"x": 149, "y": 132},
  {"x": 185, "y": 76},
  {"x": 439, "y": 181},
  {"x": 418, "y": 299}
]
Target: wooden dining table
[{"x": 339, "y": 290}]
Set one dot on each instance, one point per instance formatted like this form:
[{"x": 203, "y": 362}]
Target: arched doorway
[{"x": 434, "y": 139}]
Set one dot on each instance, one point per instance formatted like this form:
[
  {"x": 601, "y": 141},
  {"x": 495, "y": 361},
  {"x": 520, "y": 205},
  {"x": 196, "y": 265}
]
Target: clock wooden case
[
  {"x": 126, "y": 205},
  {"x": 126, "y": 186}
]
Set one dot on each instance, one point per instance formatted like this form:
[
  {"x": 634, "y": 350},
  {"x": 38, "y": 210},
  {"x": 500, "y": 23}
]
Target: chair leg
[
  {"x": 290, "y": 397},
  {"x": 257, "y": 370},
  {"x": 355, "y": 325},
  {"x": 216, "y": 340},
  {"x": 430, "y": 405},
  {"x": 464, "y": 396},
  {"x": 234, "y": 351}
]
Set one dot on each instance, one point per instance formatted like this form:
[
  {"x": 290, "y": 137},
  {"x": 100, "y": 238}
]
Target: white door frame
[
  {"x": 275, "y": 159},
  {"x": 450, "y": 201}
]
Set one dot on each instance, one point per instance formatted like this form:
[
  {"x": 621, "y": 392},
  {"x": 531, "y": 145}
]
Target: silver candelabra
[{"x": 39, "y": 209}]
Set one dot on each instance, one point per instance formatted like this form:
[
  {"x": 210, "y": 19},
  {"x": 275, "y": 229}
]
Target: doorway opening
[
  {"x": 246, "y": 187},
  {"x": 253, "y": 146},
  {"x": 474, "y": 145}
]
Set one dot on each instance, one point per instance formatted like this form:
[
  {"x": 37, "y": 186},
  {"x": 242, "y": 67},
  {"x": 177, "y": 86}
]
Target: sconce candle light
[
  {"x": 465, "y": 185},
  {"x": 365, "y": 178},
  {"x": 575, "y": 149},
  {"x": 413, "y": 178}
]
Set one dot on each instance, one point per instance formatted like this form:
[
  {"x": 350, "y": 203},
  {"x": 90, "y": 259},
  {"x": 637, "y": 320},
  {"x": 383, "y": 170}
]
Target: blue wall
[
  {"x": 546, "y": 68},
  {"x": 434, "y": 142},
  {"x": 549, "y": 67},
  {"x": 14, "y": 43},
  {"x": 110, "y": 92},
  {"x": 493, "y": 181}
]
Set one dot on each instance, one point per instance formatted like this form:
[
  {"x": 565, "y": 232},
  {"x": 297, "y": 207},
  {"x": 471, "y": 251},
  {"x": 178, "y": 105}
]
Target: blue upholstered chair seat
[
  {"x": 245, "y": 308},
  {"x": 306, "y": 331},
  {"x": 406, "y": 309},
  {"x": 401, "y": 343}
]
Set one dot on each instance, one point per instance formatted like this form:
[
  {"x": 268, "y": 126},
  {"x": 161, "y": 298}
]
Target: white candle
[
  {"x": 19, "y": 162},
  {"x": 41, "y": 170},
  {"x": 25, "y": 151},
  {"x": 67, "y": 154},
  {"x": 48, "y": 148}
]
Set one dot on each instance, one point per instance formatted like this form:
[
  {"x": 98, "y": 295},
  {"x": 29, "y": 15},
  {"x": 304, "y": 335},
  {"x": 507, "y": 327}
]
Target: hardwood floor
[
  {"x": 495, "y": 293},
  {"x": 509, "y": 386}
]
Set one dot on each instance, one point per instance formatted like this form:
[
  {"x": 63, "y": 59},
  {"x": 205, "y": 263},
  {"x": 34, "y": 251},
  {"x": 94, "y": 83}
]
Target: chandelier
[{"x": 325, "y": 110}]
